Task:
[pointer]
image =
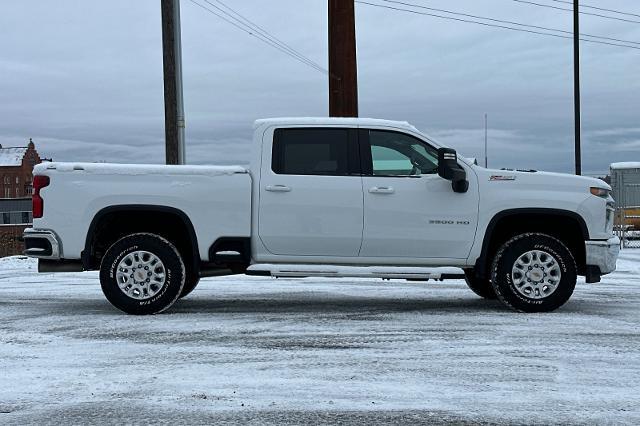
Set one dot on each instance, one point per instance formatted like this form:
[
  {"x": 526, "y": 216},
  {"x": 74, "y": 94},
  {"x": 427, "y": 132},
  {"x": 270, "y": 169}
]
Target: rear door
[
  {"x": 311, "y": 198},
  {"x": 409, "y": 210}
]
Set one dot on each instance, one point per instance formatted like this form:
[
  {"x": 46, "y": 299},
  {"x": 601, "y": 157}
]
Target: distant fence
[
  {"x": 625, "y": 181},
  {"x": 628, "y": 226}
]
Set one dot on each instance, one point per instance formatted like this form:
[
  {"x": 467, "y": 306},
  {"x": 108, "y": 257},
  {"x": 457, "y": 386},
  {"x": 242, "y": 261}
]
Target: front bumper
[
  {"x": 42, "y": 244},
  {"x": 603, "y": 254}
]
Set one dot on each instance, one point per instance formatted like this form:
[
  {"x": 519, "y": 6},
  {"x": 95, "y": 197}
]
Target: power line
[
  {"x": 265, "y": 40},
  {"x": 509, "y": 22},
  {"x": 469, "y": 21},
  {"x": 243, "y": 20},
  {"x": 571, "y": 10},
  {"x": 586, "y": 6}
]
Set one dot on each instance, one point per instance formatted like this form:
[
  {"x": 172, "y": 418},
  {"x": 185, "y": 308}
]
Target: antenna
[{"x": 486, "y": 140}]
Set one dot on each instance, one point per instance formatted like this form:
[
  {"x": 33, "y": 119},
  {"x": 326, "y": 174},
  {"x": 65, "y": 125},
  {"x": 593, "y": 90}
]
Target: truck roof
[{"x": 328, "y": 121}]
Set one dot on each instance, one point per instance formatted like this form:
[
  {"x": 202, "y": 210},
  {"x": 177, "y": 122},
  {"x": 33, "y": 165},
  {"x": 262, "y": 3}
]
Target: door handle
[
  {"x": 278, "y": 188},
  {"x": 382, "y": 190}
]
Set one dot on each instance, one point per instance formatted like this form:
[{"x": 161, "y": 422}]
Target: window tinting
[
  {"x": 397, "y": 154},
  {"x": 311, "y": 152}
]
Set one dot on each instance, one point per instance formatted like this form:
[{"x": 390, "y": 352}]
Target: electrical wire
[
  {"x": 243, "y": 20},
  {"x": 586, "y": 6},
  {"x": 571, "y": 10},
  {"x": 264, "y": 39},
  {"x": 469, "y": 21},
  {"x": 509, "y": 22}
]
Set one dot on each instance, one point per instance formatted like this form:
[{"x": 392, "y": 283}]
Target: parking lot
[{"x": 274, "y": 351}]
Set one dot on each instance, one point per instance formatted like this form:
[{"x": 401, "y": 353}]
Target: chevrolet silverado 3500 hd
[{"x": 324, "y": 197}]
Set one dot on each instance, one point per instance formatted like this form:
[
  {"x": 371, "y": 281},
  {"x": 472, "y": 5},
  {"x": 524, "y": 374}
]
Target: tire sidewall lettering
[
  {"x": 553, "y": 253},
  {"x": 158, "y": 296},
  {"x": 118, "y": 259}
]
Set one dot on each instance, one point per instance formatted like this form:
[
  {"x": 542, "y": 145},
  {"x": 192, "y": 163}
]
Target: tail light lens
[{"x": 39, "y": 182}]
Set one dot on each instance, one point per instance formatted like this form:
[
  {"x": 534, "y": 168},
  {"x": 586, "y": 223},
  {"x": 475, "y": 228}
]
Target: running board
[{"x": 339, "y": 271}]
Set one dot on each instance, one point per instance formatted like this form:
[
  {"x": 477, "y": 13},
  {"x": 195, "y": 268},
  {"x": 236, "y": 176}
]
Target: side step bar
[{"x": 339, "y": 271}]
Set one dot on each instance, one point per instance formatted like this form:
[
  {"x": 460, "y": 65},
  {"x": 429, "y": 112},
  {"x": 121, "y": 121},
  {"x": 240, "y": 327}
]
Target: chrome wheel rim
[
  {"x": 536, "y": 274},
  {"x": 141, "y": 275}
]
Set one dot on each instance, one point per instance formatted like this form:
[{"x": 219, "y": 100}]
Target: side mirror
[{"x": 449, "y": 169}]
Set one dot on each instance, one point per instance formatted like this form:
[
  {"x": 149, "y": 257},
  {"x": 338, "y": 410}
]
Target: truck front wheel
[
  {"x": 481, "y": 287},
  {"x": 534, "y": 272},
  {"x": 142, "y": 274}
]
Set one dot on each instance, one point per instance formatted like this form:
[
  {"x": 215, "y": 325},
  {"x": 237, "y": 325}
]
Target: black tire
[
  {"x": 481, "y": 287},
  {"x": 553, "y": 258},
  {"x": 190, "y": 284},
  {"x": 164, "y": 295}
]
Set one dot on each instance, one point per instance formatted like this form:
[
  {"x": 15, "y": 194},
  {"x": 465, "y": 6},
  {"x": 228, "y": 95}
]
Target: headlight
[{"x": 600, "y": 192}]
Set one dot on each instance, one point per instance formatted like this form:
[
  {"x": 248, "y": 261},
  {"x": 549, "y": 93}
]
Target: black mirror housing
[{"x": 449, "y": 169}]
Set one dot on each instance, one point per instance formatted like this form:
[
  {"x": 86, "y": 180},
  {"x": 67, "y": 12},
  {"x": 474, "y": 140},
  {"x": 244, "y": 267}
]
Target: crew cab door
[
  {"x": 409, "y": 211},
  {"x": 311, "y": 198}
]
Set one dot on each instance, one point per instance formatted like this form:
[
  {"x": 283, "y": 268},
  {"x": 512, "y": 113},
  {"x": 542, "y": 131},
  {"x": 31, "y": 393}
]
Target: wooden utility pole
[
  {"x": 343, "y": 68},
  {"x": 173, "y": 100},
  {"x": 576, "y": 85}
]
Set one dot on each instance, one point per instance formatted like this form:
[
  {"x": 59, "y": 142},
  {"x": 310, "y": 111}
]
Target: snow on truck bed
[
  {"x": 140, "y": 169},
  {"x": 276, "y": 351}
]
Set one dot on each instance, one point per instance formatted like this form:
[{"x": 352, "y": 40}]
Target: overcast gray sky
[{"x": 84, "y": 79}]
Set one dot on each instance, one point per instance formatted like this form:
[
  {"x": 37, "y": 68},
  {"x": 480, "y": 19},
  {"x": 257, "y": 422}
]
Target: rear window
[{"x": 311, "y": 152}]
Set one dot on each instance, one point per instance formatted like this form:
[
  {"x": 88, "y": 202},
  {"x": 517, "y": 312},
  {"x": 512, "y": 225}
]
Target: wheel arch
[
  {"x": 568, "y": 226},
  {"x": 144, "y": 218}
]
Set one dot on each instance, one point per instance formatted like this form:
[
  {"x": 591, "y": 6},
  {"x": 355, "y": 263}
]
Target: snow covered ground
[{"x": 267, "y": 351}]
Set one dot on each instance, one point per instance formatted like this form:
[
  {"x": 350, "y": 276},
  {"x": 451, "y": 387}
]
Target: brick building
[
  {"x": 16, "y": 170},
  {"x": 16, "y": 180},
  {"x": 15, "y": 216}
]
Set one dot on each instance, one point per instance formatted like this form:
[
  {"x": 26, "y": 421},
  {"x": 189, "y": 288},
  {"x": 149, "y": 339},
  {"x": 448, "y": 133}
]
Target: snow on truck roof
[
  {"x": 626, "y": 165},
  {"x": 328, "y": 121}
]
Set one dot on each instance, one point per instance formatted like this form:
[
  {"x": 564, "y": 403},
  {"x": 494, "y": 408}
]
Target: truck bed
[{"x": 216, "y": 199}]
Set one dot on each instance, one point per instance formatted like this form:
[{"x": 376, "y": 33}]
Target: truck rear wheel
[
  {"x": 190, "y": 284},
  {"x": 534, "y": 273},
  {"x": 142, "y": 274},
  {"x": 481, "y": 287}
]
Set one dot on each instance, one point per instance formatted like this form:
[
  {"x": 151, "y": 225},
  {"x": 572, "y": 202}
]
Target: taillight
[{"x": 39, "y": 182}]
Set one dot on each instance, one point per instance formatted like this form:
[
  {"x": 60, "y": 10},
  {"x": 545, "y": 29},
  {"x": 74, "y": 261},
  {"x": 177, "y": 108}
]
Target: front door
[
  {"x": 410, "y": 211},
  {"x": 311, "y": 201}
]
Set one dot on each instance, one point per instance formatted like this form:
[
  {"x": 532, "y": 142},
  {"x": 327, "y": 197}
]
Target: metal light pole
[
  {"x": 173, "y": 97},
  {"x": 486, "y": 141},
  {"x": 576, "y": 85}
]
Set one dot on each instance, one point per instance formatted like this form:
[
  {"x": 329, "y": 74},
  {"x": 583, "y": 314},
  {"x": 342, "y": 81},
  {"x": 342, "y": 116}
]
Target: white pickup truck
[{"x": 324, "y": 197}]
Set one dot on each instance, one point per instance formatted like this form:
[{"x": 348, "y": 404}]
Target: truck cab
[{"x": 368, "y": 192}]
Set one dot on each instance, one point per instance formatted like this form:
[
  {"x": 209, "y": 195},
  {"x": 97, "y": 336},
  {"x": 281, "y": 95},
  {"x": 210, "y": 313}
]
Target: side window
[
  {"x": 398, "y": 154},
  {"x": 312, "y": 151}
]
